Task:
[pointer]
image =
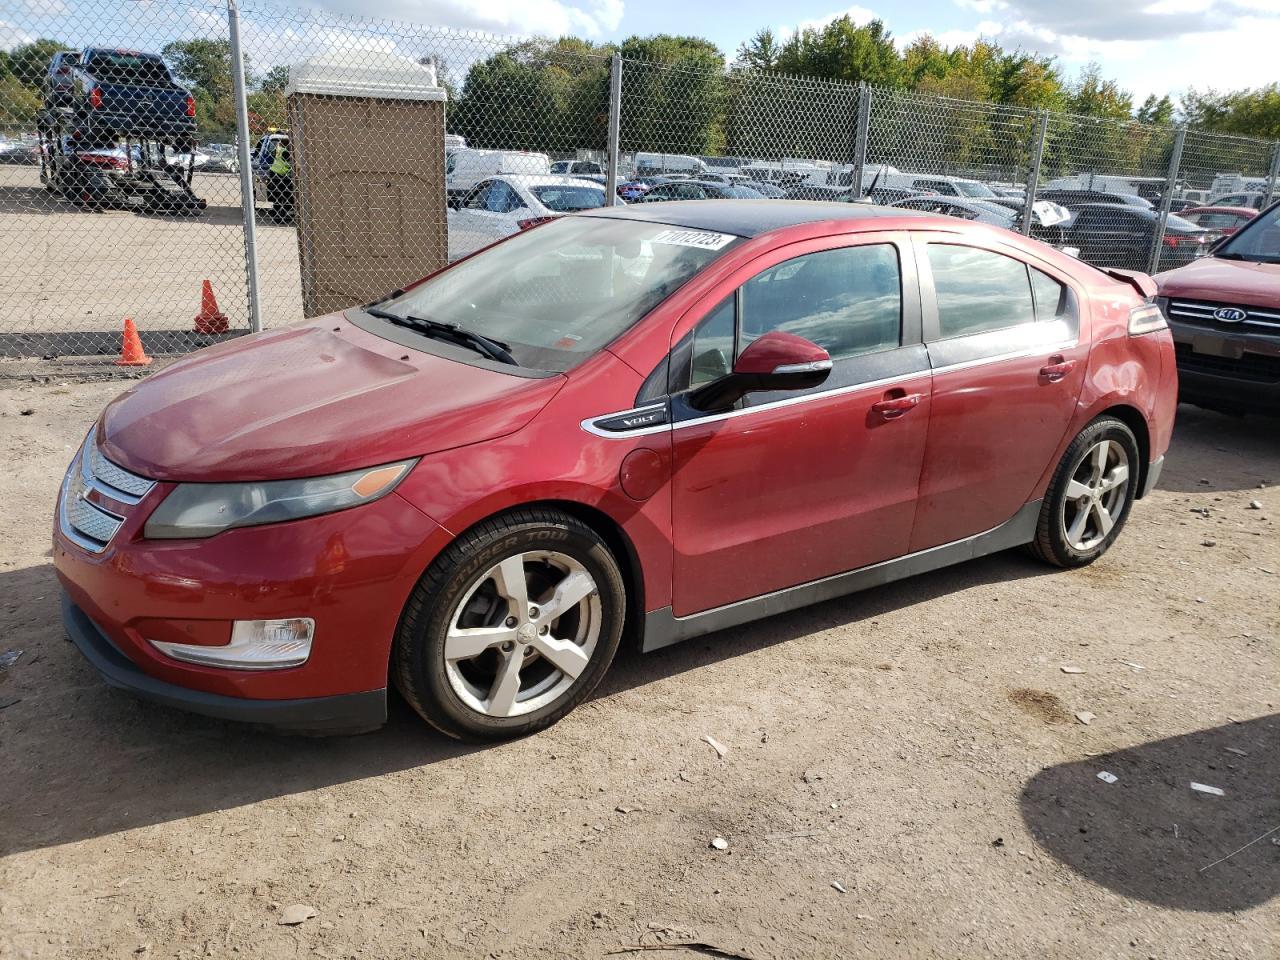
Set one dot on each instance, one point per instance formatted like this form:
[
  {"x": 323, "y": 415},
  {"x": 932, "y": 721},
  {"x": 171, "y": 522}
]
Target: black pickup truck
[{"x": 124, "y": 93}]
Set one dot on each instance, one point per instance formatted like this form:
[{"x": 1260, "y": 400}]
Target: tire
[
  {"x": 1063, "y": 537},
  {"x": 462, "y": 604}
]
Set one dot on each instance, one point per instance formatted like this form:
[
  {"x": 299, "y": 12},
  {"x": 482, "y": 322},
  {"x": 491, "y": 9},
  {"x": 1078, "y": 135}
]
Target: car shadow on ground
[
  {"x": 87, "y": 761},
  {"x": 1246, "y": 452},
  {"x": 1150, "y": 836}
]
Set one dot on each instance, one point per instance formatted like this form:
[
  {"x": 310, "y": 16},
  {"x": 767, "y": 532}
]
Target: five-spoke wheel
[
  {"x": 1089, "y": 497},
  {"x": 523, "y": 633},
  {"x": 1096, "y": 495},
  {"x": 512, "y": 626}
]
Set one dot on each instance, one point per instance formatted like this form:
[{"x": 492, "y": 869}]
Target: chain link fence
[{"x": 205, "y": 171}]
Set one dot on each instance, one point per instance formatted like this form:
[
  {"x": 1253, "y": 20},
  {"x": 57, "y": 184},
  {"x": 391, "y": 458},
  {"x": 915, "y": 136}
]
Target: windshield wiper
[{"x": 437, "y": 330}]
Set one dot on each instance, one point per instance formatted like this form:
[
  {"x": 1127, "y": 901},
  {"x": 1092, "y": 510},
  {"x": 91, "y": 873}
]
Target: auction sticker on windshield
[{"x": 694, "y": 238}]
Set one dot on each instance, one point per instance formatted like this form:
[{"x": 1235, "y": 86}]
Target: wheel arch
[
  {"x": 609, "y": 530},
  {"x": 1134, "y": 419}
]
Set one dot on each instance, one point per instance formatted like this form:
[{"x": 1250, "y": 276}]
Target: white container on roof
[{"x": 365, "y": 74}]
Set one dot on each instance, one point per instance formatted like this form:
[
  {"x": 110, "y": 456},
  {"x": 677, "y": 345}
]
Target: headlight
[{"x": 195, "y": 510}]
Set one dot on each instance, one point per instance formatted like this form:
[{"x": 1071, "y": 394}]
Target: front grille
[
  {"x": 1202, "y": 312},
  {"x": 1250, "y": 366},
  {"x": 88, "y": 524}
]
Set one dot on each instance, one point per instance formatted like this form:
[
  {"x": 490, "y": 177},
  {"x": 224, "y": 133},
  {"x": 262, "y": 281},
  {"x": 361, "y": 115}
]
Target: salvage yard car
[
  {"x": 1225, "y": 315},
  {"x": 640, "y": 424},
  {"x": 501, "y": 206}
]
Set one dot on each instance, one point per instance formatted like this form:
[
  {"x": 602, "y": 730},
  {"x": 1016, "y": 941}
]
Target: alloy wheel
[
  {"x": 1096, "y": 495},
  {"x": 523, "y": 633}
]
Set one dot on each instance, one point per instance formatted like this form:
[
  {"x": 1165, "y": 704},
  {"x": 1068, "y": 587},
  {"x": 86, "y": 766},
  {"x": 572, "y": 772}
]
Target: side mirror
[
  {"x": 1213, "y": 247},
  {"x": 773, "y": 361}
]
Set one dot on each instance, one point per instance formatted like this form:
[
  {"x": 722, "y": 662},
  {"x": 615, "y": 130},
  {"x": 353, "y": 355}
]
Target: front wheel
[
  {"x": 1089, "y": 498},
  {"x": 511, "y": 627}
]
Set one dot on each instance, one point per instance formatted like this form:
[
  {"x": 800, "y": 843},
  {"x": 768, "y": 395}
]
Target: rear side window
[
  {"x": 568, "y": 198},
  {"x": 1050, "y": 296},
  {"x": 848, "y": 301},
  {"x": 978, "y": 290}
]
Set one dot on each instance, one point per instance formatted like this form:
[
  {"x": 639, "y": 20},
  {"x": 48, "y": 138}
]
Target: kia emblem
[{"x": 1229, "y": 314}]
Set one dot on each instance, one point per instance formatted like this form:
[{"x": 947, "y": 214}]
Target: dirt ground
[{"x": 904, "y": 776}]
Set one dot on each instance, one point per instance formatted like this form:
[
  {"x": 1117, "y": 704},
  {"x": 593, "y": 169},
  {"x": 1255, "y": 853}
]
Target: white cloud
[
  {"x": 11, "y": 35},
  {"x": 591, "y": 18},
  {"x": 1165, "y": 46}
]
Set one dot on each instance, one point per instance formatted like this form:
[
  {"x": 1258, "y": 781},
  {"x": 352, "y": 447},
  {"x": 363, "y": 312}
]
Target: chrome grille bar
[
  {"x": 1203, "y": 311},
  {"x": 84, "y": 522}
]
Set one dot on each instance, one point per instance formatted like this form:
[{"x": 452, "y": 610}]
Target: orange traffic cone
[
  {"x": 210, "y": 319},
  {"x": 131, "y": 352}
]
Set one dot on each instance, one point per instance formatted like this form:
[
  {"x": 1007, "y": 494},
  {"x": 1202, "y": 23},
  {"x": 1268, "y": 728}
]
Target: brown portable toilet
[{"x": 367, "y": 145}]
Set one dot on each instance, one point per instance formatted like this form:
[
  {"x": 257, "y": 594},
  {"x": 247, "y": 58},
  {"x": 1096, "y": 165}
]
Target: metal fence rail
[{"x": 105, "y": 219}]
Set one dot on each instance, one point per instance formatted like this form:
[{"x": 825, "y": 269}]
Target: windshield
[
  {"x": 1258, "y": 240},
  {"x": 565, "y": 199},
  {"x": 129, "y": 68},
  {"x": 743, "y": 193},
  {"x": 971, "y": 188},
  {"x": 558, "y": 293}
]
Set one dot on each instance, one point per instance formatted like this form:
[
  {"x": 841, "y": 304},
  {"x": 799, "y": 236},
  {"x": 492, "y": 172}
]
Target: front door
[{"x": 786, "y": 488}]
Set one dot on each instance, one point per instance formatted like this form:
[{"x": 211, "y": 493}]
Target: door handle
[
  {"x": 1057, "y": 368},
  {"x": 893, "y": 407}
]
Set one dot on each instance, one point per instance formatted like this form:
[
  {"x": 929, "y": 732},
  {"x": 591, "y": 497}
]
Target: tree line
[{"x": 777, "y": 97}]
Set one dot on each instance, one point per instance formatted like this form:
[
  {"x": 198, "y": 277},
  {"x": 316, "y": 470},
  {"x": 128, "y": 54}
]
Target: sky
[{"x": 1150, "y": 46}]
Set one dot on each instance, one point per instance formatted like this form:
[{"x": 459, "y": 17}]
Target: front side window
[
  {"x": 557, "y": 294},
  {"x": 978, "y": 290},
  {"x": 713, "y": 342},
  {"x": 848, "y": 301}
]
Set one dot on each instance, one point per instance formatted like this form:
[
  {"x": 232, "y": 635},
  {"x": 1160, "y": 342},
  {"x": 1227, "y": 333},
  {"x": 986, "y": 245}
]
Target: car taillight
[
  {"x": 191, "y": 105},
  {"x": 100, "y": 160},
  {"x": 95, "y": 98},
  {"x": 1147, "y": 318},
  {"x": 532, "y": 222}
]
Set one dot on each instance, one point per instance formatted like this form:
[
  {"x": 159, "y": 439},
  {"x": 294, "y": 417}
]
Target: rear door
[
  {"x": 791, "y": 487},
  {"x": 1008, "y": 360}
]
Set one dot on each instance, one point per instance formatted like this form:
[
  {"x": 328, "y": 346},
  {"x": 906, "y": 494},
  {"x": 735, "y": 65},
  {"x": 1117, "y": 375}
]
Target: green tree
[
  {"x": 1155, "y": 110},
  {"x": 760, "y": 52},
  {"x": 842, "y": 50},
  {"x": 536, "y": 95}
]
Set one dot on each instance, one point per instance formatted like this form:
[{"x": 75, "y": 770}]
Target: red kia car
[
  {"x": 641, "y": 424},
  {"x": 1225, "y": 313}
]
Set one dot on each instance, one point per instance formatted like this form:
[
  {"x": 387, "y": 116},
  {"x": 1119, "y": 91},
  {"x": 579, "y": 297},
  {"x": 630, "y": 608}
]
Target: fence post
[
  {"x": 615, "y": 126},
  {"x": 1166, "y": 199},
  {"x": 1033, "y": 173},
  {"x": 860, "y": 139},
  {"x": 1275, "y": 171},
  {"x": 246, "y": 169}
]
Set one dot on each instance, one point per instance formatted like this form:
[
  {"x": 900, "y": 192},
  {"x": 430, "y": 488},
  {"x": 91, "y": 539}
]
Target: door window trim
[
  {"x": 682, "y": 332},
  {"x": 992, "y": 346}
]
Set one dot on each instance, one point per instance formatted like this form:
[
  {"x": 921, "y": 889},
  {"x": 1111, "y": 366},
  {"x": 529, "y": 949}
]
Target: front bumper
[
  {"x": 1227, "y": 369},
  {"x": 344, "y": 713}
]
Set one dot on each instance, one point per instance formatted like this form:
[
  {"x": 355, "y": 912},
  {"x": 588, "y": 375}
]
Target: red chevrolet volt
[{"x": 638, "y": 424}]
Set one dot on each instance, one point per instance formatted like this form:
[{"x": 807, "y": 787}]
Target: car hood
[
  {"x": 314, "y": 398},
  {"x": 1234, "y": 281}
]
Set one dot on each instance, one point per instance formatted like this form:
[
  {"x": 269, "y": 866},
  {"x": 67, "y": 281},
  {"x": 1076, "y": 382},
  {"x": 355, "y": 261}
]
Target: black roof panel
[{"x": 747, "y": 218}]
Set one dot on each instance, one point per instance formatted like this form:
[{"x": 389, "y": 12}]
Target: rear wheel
[
  {"x": 511, "y": 627},
  {"x": 1089, "y": 498}
]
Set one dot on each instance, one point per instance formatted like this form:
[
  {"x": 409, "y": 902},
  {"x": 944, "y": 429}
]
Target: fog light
[{"x": 255, "y": 645}]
